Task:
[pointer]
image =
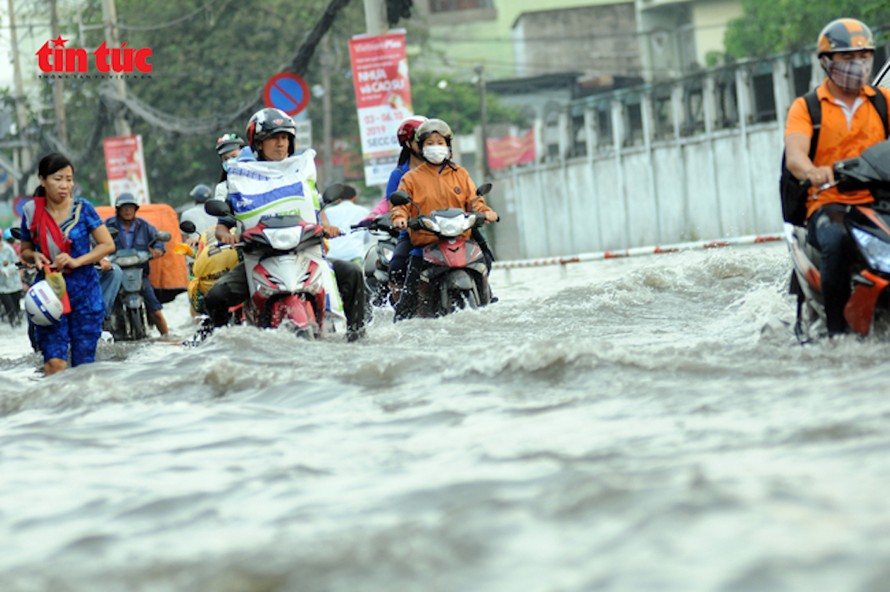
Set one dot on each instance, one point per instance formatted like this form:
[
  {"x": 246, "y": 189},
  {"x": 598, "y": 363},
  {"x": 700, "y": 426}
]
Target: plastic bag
[{"x": 56, "y": 281}]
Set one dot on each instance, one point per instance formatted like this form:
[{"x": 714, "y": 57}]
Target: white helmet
[{"x": 42, "y": 305}]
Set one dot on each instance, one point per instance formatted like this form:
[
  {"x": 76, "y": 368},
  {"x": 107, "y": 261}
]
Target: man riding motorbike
[
  {"x": 272, "y": 135},
  {"x": 135, "y": 233},
  {"x": 850, "y": 123}
]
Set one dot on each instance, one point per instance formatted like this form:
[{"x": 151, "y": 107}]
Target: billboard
[
  {"x": 383, "y": 97},
  {"x": 125, "y": 168}
]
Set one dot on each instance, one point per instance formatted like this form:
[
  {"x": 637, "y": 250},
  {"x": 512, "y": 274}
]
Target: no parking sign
[{"x": 286, "y": 91}]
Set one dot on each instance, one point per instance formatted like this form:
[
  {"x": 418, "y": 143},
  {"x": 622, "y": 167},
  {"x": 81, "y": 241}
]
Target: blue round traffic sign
[{"x": 286, "y": 91}]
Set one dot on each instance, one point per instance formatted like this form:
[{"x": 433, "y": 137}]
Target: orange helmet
[{"x": 845, "y": 34}]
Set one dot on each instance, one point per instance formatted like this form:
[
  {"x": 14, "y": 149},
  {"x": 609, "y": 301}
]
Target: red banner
[
  {"x": 383, "y": 97},
  {"x": 125, "y": 167},
  {"x": 510, "y": 150}
]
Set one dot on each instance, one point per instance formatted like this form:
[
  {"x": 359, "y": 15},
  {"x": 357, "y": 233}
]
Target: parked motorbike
[
  {"x": 454, "y": 274},
  {"x": 129, "y": 317},
  {"x": 288, "y": 278},
  {"x": 869, "y": 228}
]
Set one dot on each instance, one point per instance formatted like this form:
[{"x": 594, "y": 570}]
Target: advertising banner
[
  {"x": 510, "y": 150},
  {"x": 125, "y": 167},
  {"x": 383, "y": 97}
]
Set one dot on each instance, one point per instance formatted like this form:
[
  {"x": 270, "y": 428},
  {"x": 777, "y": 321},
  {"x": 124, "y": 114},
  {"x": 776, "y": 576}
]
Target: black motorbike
[{"x": 129, "y": 318}]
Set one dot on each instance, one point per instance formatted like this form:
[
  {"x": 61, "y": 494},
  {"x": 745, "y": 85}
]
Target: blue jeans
[
  {"x": 110, "y": 282},
  {"x": 826, "y": 232}
]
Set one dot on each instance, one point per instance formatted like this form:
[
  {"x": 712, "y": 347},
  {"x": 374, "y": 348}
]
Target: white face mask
[{"x": 435, "y": 154}]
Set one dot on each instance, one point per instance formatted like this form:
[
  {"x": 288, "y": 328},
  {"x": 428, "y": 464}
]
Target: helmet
[
  {"x": 200, "y": 193},
  {"x": 42, "y": 305},
  {"x": 7, "y": 234},
  {"x": 267, "y": 122},
  {"x": 408, "y": 128},
  {"x": 124, "y": 199},
  {"x": 431, "y": 126},
  {"x": 845, "y": 34},
  {"x": 227, "y": 143}
]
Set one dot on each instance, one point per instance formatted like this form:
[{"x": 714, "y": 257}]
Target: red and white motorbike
[
  {"x": 290, "y": 283},
  {"x": 454, "y": 274}
]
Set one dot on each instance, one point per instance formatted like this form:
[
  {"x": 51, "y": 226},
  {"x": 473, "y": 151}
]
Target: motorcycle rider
[
  {"x": 200, "y": 193},
  {"x": 436, "y": 184},
  {"x": 136, "y": 233},
  {"x": 271, "y": 134},
  {"x": 228, "y": 146},
  {"x": 850, "y": 124},
  {"x": 344, "y": 213}
]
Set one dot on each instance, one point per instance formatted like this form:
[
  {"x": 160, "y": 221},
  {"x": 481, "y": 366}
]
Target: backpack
[{"x": 793, "y": 194}]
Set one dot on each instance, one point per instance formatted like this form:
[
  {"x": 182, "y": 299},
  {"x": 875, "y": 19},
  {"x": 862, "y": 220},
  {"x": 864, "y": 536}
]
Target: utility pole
[
  {"x": 327, "y": 62},
  {"x": 58, "y": 83},
  {"x": 109, "y": 15},
  {"x": 483, "y": 124},
  {"x": 21, "y": 113},
  {"x": 375, "y": 17}
]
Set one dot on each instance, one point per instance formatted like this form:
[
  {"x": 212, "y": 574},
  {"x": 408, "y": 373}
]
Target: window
[{"x": 440, "y": 6}]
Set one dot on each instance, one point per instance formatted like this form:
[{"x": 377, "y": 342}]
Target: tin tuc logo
[{"x": 59, "y": 59}]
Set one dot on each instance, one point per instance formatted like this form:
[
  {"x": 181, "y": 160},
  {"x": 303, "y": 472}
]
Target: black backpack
[{"x": 794, "y": 195}]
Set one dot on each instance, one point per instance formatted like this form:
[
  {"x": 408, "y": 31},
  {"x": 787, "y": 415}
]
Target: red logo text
[{"x": 59, "y": 59}]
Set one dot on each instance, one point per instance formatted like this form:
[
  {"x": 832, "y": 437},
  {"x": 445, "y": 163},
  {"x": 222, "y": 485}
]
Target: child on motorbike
[{"x": 436, "y": 184}]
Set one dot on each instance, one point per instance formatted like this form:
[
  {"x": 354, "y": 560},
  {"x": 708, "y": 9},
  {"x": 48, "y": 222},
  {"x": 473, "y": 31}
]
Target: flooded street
[{"x": 639, "y": 424}]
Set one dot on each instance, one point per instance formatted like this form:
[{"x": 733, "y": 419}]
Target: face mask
[
  {"x": 850, "y": 75},
  {"x": 225, "y": 164},
  {"x": 436, "y": 154}
]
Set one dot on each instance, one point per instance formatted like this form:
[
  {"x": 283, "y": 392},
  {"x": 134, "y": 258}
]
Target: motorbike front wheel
[{"x": 137, "y": 323}]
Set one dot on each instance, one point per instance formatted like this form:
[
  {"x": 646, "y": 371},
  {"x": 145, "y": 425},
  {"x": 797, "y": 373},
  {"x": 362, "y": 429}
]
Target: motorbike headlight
[
  {"x": 875, "y": 250},
  {"x": 429, "y": 224},
  {"x": 128, "y": 261},
  {"x": 452, "y": 226},
  {"x": 284, "y": 239}
]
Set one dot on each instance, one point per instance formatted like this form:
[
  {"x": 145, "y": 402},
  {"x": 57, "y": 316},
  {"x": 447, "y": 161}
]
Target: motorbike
[
  {"x": 454, "y": 274},
  {"x": 868, "y": 226},
  {"x": 129, "y": 317},
  {"x": 377, "y": 258},
  {"x": 290, "y": 283}
]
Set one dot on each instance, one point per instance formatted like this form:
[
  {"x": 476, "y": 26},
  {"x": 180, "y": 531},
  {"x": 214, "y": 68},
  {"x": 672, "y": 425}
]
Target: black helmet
[
  {"x": 268, "y": 122},
  {"x": 124, "y": 199},
  {"x": 431, "y": 126},
  {"x": 228, "y": 142},
  {"x": 200, "y": 193},
  {"x": 844, "y": 35}
]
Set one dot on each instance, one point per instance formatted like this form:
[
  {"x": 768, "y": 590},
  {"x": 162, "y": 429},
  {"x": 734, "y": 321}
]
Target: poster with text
[
  {"x": 125, "y": 168},
  {"x": 383, "y": 97}
]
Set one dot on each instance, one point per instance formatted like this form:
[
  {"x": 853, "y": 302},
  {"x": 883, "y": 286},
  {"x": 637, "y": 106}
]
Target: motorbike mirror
[
  {"x": 483, "y": 189},
  {"x": 217, "y": 207},
  {"x": 400, "y": 198},
  {"x": 337, "y": 191},
  {"x": 188, "y": 227},
  {"x": 16, "y": 232}
]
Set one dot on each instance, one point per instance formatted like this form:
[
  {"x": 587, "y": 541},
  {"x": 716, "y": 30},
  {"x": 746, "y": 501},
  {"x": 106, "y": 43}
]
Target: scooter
[
  {"x": 869, "y": 228},
  {"x": 377, "y": 258},
  {"x": 129, "y": 317},
  {"x": 454, "y": 274},
  {"x": 290, "y": 283}
]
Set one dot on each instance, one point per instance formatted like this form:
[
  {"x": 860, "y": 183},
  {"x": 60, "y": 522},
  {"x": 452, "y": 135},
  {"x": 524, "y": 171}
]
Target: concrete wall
[{"x": 718, "y": 182}]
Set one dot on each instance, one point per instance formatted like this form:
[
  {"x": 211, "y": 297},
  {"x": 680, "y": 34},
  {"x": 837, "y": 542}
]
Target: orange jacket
[
  {"x": 837, "y": 140},
  {"x": 435, "y": 187}
]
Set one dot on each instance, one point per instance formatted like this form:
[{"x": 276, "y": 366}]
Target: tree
[{"x": 766, "y": 28}]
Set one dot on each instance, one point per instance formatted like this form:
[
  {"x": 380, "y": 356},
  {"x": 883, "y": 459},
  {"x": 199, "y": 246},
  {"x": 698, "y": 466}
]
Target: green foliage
[{"x": 787, "y": 25}]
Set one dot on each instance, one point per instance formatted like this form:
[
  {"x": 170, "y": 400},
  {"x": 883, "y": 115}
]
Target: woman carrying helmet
[
  {"x": 436, "y": 184},
  {"x": 271, "y": 134},
  {"x": 56, "y": 231},
  {"x": 850, "y": 124}
]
